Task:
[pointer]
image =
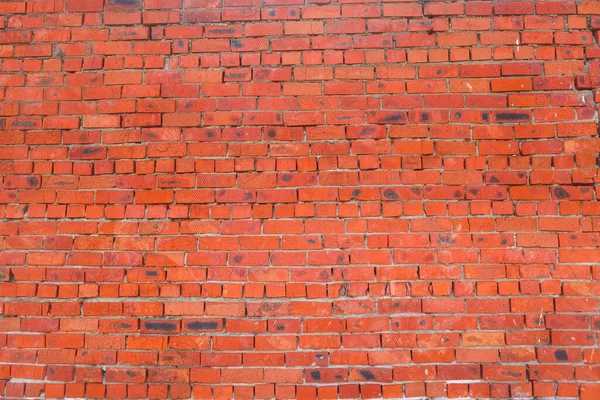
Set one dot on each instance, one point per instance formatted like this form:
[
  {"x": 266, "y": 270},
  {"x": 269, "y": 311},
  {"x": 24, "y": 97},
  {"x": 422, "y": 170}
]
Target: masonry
[{"x": 299, "y": 199}]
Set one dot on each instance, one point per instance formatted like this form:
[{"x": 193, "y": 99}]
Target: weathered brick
[{"x": 364, "y": 199}]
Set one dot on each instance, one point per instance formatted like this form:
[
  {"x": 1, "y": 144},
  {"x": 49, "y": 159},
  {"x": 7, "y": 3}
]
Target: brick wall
[{"x": 299, "y": 199}]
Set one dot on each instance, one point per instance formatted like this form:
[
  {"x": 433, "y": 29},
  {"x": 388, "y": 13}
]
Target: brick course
[{"x": 299, "y": 199}]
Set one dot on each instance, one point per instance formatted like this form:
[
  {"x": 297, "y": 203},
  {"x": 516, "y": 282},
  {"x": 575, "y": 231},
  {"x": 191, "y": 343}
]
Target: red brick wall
[{"x": 299, "y": 199}]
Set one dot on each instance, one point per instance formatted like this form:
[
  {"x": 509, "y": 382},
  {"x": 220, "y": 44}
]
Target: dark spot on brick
[
  {"x": 368, "y": 375},
  {"x": 422, "y": 322},
  {"x": 320, "y": 357},
  {"x": 64, "y": 183},
  {"x": 597, "y": 324},
  {"x": 45, "y": 80},
  {"x": 458, "y": 193},
  {"x": 503, "y": 241},
  {"x": 161, "y": 326},
  {"x": 125, "y": 325},
  {"x": 474, "y": 192},
  {"x": 458, "y": 114},
  {"x": 445, "y": 240},
  {"x": 521, "y": 175},
  {"x": 512, "y": 117},
  {"x": 430, "y": 32},
  {"x": 222, "y": 31},
  {"x": 151, "y": 273},
  {"x": 485, "y": 117},
  {"x": 124, "y": 34},
  {"x": 394, "y": 118},
  {"x": 280, "y": 327},
  {"x": 239, "y": 272},
  {"x": 416, "y": 190},
  {"x": 365, "y": 131},
  {"x": 286, "y": 178},
  {"x": 323, "y": 275},
  {"x": 311, "y": 241},
  {"x": 583, "y": 37},
  {"x": 561, "y": 193},
  {"x": 316, "y": 375},
  {"x": 272, "y": 133},
  {"x": 130, "y": 373},
  {"x": 210, "y": 134},
  {"x": 269, "y": 308},
  {"x": 293, "y": 13},
  {"x": 396, "y": 324},
  {"x": 201, "y": 325},
  {"x": 341, "y": 259},
  {"x": 561, "y": 355},
  {"x": 338, "y": 377},
  {"x": 390, "y": 194},
  {"x": 248, "y": 196},
  {"x": 272, "y": 12},
  {"x": 23, "y": 124},
  {"x": 239, "y": 75},
  {"x": 424, "y": 117},
  {"x": 90, "y": 150},
  {"x": 129, "y": 3},
  {"x": 494, "y": 179},
  {"x": 32, "y": 181},
  {"x": 235, "y": 43},
  {"x": 238, "y": 258},
  {"x": 277, "y": 117},
  {"x": 356, "y": 192}
]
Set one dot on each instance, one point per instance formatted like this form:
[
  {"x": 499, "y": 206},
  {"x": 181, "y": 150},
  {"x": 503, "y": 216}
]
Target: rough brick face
[{"x": 299, "y": 199}]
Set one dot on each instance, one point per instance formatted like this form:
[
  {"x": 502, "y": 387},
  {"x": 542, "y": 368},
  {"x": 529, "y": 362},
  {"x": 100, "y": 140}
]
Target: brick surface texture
[{"x": 299, "y": 199}]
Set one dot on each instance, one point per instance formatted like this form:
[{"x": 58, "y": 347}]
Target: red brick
[{"x": 342, "y": 189}]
